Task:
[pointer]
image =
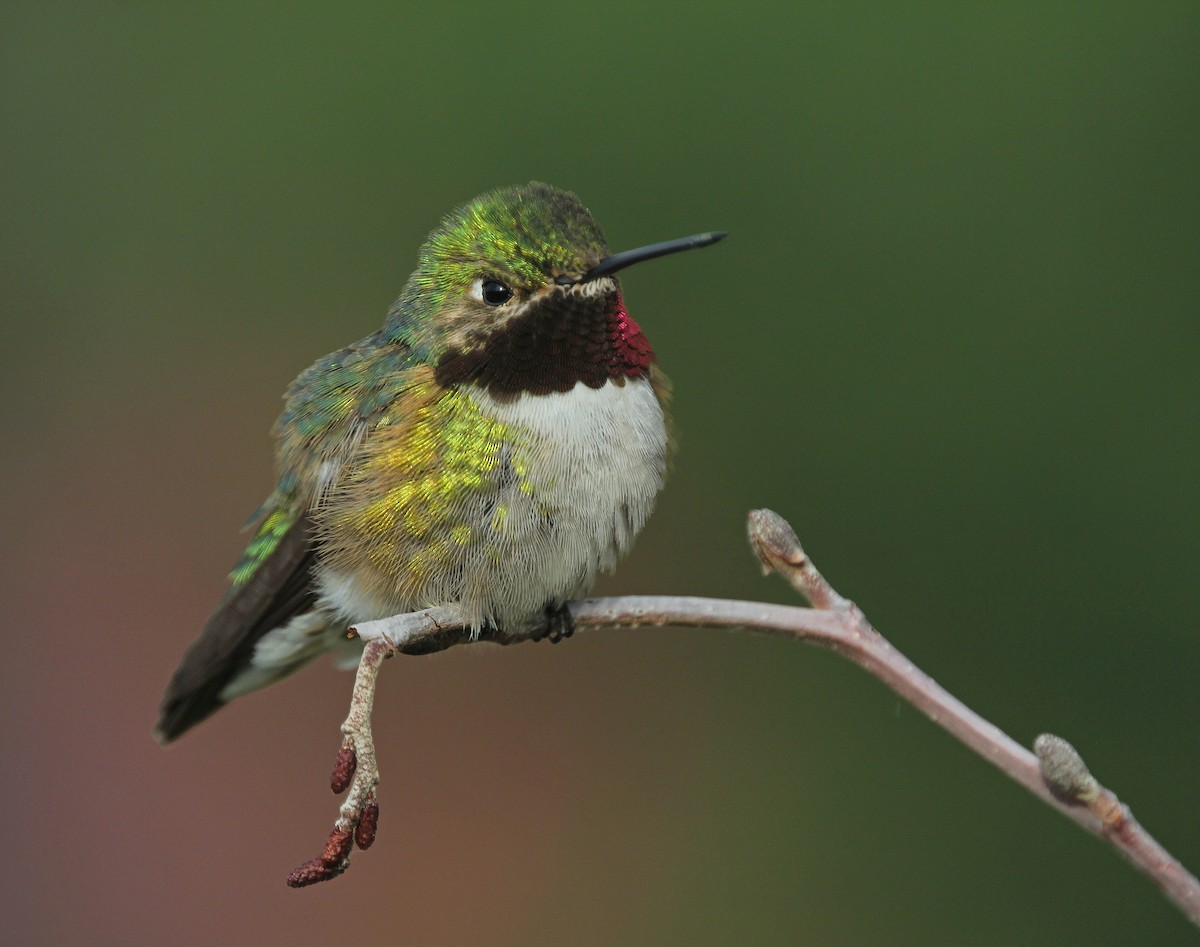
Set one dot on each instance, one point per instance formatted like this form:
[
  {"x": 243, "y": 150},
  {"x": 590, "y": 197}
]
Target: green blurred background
[{"x": 953, "y": 337}]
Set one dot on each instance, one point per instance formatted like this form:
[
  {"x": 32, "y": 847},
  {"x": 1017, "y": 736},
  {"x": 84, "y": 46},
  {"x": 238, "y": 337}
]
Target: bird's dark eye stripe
[{"x": 496, "y": 293}]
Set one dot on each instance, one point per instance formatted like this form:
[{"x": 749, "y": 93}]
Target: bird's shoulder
[{"x": 330, "y": 409}]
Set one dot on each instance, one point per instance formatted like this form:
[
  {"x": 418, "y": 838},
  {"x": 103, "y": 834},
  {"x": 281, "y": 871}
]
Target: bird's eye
[{"x": 495, "y": 293}]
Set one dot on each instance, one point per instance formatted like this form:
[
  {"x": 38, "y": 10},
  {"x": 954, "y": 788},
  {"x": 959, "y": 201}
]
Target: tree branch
[{"x": 1056, "y": 774}]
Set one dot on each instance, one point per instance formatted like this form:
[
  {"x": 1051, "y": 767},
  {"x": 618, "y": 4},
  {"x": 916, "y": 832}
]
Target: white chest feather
[
  {"x": 591, "y": 451},
  {"x": 593, "y": 461},
  {"x": 577, "y": 483}
]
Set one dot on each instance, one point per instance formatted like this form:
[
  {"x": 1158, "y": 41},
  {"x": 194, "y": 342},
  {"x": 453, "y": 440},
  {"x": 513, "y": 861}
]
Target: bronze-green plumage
[{"x": 494, "y": 446}]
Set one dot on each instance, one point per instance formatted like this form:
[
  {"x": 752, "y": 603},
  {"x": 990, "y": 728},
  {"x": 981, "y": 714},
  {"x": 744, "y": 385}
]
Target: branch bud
[
  {"x": 337, "y": 849},
  {"x": 773, "y": 540},
  {"x": 312, "y": 872},
  {"x": 343, "y": 768},
  {"x": 368, "y": 822},
  {"x": 1064, "y": 771}
]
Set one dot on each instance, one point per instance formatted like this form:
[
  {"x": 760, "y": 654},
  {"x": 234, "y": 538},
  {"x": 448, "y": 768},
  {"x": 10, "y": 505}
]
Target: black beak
[{"x": 618, "y": 261}]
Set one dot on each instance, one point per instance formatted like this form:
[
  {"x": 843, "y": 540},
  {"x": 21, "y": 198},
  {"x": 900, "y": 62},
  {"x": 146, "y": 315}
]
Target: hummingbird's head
[{"x": 516, "y": 291}]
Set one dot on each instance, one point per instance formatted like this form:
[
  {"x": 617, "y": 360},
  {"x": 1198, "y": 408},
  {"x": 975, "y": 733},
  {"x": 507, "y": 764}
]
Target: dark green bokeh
[{"x": 954, "y": 337}]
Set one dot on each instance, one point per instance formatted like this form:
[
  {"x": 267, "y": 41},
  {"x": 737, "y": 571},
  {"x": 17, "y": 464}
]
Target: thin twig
[
  {"x": 355, "y": 770},
  {"x": 1056, "y": 775},
  {"x": 1069, "y": 779}
]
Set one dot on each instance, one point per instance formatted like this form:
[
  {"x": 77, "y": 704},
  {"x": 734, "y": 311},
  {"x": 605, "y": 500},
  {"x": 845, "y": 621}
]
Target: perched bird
[{"x": 500, "y": 441}]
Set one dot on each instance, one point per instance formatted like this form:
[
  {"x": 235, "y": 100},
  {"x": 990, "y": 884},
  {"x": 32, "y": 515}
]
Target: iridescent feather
[{"x": 494, "y": 458}]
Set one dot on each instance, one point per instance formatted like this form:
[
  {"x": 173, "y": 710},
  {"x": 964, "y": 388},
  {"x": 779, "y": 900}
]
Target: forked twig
[{"x": 1056, "y": 774}]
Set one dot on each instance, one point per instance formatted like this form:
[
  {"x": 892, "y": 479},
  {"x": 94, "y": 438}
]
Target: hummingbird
[{"x": 499, "y": 442}]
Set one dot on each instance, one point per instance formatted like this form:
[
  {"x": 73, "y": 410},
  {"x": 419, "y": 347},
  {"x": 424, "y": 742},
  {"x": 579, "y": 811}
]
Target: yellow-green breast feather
[{"x": 416, "y": 488}]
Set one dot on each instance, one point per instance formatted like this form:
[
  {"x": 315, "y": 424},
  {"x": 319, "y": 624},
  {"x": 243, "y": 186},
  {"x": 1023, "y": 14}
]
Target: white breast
[
  {"x": 581, "y": 473},
  {"x": 596, "y": 460}
]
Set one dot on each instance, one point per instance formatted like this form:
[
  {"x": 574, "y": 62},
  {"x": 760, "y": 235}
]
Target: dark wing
[
  {"x": 279, "y": 588},
  {"x": 327, "y": 408}
]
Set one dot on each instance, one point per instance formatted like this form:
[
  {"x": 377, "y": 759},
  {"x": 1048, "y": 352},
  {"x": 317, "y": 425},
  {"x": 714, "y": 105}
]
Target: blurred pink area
[{"x": 502, "y": 767}]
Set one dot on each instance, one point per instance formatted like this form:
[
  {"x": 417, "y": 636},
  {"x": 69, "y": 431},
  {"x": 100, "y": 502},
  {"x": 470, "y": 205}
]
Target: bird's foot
[{"x": 560, "y": 623}]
